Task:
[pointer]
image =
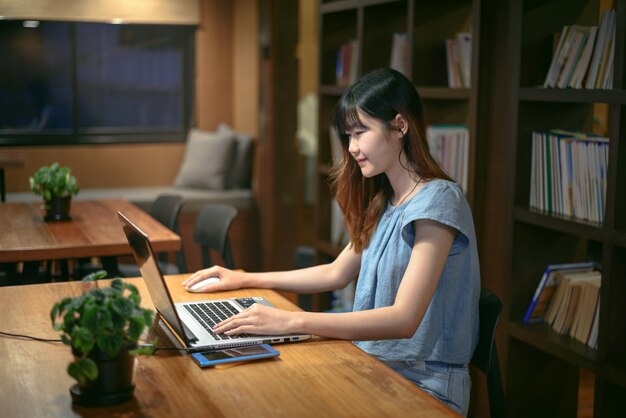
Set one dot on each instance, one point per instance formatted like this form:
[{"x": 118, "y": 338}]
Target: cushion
[
  {"x": 207, "y": 161},
  {"x": 240, "y": 176}
]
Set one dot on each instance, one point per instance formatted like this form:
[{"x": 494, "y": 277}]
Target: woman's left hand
[{"x": 258, "y": 319}]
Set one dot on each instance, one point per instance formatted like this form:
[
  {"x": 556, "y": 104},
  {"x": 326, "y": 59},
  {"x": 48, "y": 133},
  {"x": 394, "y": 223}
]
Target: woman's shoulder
[
  {"x": 442, "y": 201},
  {"x": 439, "y": 190},
  {"x": 437, "y": 198}
]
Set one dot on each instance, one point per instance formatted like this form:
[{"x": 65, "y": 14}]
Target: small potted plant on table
[
  {"x": 102, "y": 326},
  {"x": 57, "y": 186}
]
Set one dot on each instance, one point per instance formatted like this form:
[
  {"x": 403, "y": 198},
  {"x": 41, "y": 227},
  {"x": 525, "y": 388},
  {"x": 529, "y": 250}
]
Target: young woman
[{"x": 412, "y": 247}]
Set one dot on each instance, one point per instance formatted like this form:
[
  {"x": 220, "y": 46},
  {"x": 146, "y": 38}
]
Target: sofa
[{"x": 216, "y": 168}]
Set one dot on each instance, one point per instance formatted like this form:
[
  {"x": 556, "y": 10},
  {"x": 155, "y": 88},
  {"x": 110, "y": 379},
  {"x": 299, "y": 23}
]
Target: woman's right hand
[{"x": 228, "y": 279}]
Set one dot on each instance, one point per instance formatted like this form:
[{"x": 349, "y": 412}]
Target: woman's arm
[
  {"x": 334, "y": 275},
  {"x": 433, "y": 242}
]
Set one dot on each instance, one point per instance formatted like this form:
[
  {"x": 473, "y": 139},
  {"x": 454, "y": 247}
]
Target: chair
[
  {"x": 485, "y": 356},
  {"x": 211, "y": 232},
  {"x": 165, "y": 209}
]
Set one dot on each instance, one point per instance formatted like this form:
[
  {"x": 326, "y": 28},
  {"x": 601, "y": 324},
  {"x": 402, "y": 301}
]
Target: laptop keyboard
[{"x": 209, "y": 314}]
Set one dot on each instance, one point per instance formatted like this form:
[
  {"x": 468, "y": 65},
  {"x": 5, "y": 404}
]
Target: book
[
  {"x": 583, "y": 320},
  {"x": 568, "y": 174},
  {"x": 346, "y": 65},
  {"x": 355, "y": 56},
  {"x": 452, "y": 61},
  {"x": 464, "y": 45},
  {"x": 400, "y": 53},
  {"x": 566, "y": 313},
  {"x": 559, "y": 57},
  {"x": 582, "y": 66},
  {"x": 449, "y": 145},
  {"x": 546, "y": 288},
  {"x": 604, "y": 70},
  {"x": 562, "y": 309},
  {"x": 602, "y": 39},
  {"x": 579, "y": 36},
  {"x": 592, "y": 341}
]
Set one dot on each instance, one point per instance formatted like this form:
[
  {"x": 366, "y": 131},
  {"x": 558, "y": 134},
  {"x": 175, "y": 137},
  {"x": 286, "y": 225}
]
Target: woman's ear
[{"x": 401, "y": 124}]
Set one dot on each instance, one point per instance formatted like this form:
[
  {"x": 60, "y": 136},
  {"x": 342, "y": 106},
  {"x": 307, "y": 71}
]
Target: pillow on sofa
[
  {"x": 240, "y": 176},
  {"x": 208, "y": 160}
]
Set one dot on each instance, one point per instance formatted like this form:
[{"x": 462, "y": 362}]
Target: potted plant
[
  {"x": 57, "y": 186},
  {"x": 102, "y": 327}
]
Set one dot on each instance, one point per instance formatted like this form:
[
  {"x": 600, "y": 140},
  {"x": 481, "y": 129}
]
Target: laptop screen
[{"x": 151, "y": 273}]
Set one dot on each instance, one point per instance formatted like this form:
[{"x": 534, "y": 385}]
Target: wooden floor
[{"x": 585, "y": 394}]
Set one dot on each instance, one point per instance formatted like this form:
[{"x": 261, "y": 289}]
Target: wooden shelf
[
  {"x": 332, "y": 90},
  {"x": 542, "y": 337},
  {"x": 560, "y": 223},
  {"x": 444, "y": 93},
  {"x": 338, "y": 6},
  {"x": 538, "y": 239},
  {"x": 531, "y": 94}
]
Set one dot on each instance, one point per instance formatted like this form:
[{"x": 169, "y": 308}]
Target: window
[{"x": 66, "y": 83}]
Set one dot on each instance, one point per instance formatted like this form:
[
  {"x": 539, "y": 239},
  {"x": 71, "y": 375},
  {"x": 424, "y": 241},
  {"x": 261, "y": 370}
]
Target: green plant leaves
[
  {"x": 96, "y": 275},
  {"x": 53, "y": 180},
  {"x": 109, "y": 318},
  {"x": 111, "y": 344},
  {"x": 82, "y": 339},
  {"x": 83, "y": 369}
]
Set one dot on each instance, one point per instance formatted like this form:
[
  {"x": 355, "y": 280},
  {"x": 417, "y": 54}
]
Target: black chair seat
[{"x": 485, "y": 356}]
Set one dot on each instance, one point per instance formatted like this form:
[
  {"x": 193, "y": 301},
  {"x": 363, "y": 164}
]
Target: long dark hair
[{"x": 381, "y": 94}]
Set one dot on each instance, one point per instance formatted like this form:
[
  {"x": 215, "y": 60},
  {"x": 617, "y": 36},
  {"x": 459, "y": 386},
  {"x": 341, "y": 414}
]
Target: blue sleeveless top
[{"x": 449, "y": 329}]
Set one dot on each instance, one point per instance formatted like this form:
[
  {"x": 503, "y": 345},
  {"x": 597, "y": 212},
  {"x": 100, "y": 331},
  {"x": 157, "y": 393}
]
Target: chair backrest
[
  {"x": 211, "y": 232},
  {"x": 485, "y": 356},
  {"x": 166, "y": 209}
]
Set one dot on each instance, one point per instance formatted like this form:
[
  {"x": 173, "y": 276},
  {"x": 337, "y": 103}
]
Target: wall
[
  {"x": 226, "y": 90},
  {"x": 138, "y": 11}
]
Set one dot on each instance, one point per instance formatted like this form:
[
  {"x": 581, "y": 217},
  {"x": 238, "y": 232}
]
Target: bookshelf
[
  {"x": 543, "y": 367},
  {"x": 373, "y": 23}
]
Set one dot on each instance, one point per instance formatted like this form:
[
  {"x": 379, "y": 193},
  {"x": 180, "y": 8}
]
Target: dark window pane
[
  {"x": 35, "y": 77},
  {"x": 129, "y": 77}
]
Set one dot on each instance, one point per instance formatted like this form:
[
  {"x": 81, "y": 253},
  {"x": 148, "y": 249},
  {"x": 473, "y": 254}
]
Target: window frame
[{"x": 82, "y": 136}]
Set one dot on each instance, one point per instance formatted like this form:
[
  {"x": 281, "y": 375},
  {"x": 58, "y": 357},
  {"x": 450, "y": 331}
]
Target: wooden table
[
  {"x": 93, "y": 231},
  {"x": 313, "y": 378}
]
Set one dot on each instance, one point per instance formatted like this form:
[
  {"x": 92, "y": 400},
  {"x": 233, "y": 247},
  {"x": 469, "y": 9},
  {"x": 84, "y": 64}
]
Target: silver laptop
[{"x": 191, "y": 322}]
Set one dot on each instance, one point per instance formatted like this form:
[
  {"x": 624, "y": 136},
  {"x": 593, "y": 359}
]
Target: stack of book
[
  {"x": 568, "y": 174},
  {"x": 347, "y": 64},
  {"x": 568, "y": 299},
  {"x": 459, "y": 60},
  {"x": 584, "y": 56},
  {"x": 449, "y": 145}
]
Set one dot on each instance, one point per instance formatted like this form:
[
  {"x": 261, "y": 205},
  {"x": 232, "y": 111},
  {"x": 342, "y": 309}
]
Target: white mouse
[{"x": 209, "y": 280}]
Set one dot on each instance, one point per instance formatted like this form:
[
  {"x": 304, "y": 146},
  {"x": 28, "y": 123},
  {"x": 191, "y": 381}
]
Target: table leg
[
  {"x": 3, "y": 197},
  {"x": 110, "y": 265}
]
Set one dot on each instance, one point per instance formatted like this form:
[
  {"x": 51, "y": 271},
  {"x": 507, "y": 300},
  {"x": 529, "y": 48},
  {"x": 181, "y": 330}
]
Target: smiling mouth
[{"x": 361, "y": 161}]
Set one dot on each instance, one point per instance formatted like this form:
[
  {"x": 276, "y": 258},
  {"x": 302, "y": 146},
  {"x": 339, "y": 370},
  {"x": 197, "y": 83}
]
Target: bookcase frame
[
  {"x": 373, "y": 22},
  {"x": 543, "y": 367}
]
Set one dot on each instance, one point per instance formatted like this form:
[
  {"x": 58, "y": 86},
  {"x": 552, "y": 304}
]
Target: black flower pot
[
  {"x": 114, "y": 384},
  {"x": 58, "y": 208}
]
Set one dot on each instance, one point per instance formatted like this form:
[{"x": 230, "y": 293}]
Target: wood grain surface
[
  {"x": 314, "y": 378},
  {"x": 93, "y": 231}
]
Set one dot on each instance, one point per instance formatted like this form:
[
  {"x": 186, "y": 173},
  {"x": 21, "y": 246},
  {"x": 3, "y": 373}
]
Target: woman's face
[{"x": 374, "y": 147}]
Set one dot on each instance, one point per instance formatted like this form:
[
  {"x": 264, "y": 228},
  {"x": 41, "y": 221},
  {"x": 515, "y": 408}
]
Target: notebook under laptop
[{"x": 191, "y": 321}]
